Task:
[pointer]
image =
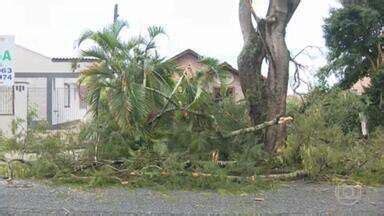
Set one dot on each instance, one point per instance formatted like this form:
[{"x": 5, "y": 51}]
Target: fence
[
  {"x": 58, "y": 107},
  {"x": 7, "y": 95}
]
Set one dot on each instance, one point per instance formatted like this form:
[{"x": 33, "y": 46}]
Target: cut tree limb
[
  {"x": 284, "y": 176},
  {"x": 282, "y": 120}
]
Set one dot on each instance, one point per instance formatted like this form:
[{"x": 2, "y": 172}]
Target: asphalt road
[{"x": 296, "y": 198}]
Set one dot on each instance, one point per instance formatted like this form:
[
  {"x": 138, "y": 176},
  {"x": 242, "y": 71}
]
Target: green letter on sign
[{"x": 7, "y": 56}]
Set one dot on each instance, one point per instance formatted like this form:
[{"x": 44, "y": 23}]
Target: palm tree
[
  {"x": 132, "y": 85},
  {"x": 129, "y": 79}
]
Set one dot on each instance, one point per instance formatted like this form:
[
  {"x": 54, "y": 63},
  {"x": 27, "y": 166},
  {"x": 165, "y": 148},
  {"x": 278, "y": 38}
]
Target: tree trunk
[
  {"x": 278, "y": 17},
  {"x": 249, "y": 63},
  {"x": 268, "y": 40},
  {"x": 364, "y": 124}
]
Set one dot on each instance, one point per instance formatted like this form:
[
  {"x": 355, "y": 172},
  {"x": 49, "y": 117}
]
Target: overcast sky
[{"x": 209, "y": 27}]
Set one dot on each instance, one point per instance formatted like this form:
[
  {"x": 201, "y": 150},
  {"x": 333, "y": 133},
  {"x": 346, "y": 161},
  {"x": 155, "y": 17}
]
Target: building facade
[
  {"x": 190, "y": 62},
  {"x": 46, "y": 87}
]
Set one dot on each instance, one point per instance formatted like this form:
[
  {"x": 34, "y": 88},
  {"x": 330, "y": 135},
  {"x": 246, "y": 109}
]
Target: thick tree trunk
[
  {"x": 278, "y": 17},
  {"x": 249, "y": 63},
  {"x": 276, "y": 92},
  {"x": 268, "y": 40}
]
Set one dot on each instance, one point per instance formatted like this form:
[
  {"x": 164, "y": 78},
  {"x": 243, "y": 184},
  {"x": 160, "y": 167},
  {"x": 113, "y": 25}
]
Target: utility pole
[{"x": 116, "y": 13}]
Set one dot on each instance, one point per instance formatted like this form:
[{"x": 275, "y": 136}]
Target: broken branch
[
  {"x": 282, "y": 120},
  {"x": 284, "y": 176}
]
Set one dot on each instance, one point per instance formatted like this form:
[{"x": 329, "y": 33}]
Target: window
[
  {"x": 6, "y": 101},
  {"x": 67, "y": 95},
  {"x": 230, "y": 92},
  {"x": 217, "y": 94}
]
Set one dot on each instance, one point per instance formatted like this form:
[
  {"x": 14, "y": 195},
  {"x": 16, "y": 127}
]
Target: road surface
[{"x": 295, "y": 198}]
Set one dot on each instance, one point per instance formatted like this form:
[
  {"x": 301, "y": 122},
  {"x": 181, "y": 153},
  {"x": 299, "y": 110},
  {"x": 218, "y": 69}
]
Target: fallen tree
[{"x": 118, "y": 165}]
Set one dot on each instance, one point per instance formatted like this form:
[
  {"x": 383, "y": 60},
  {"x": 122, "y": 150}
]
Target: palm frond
[
  {"x": 155, "y": 31},
  {"x": 95, "y": 52},
  {"x": 86, "y": 35},
  {"x": 117, "y": 27}
]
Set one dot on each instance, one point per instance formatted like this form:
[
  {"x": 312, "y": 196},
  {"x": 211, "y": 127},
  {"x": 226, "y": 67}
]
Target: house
[
  {"x": 189, "y": 61},
  {"x": 360, "y": 86},
  {"x": 44, "y": 86},
  {"x": 48, "y": 87}
]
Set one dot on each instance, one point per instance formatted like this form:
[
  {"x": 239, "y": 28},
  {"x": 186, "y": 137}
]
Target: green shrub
[
  {"x": 325, "y": 137},
  {"x": 102, "y": 178},
  {"x": 371, "y": 168},
  {"x": 43, "y": 168},
  {"x": 376, "y": 97}
]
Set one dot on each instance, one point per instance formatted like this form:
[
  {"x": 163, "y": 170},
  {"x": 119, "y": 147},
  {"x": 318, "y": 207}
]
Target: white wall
[{"x": 27, "y": 61}]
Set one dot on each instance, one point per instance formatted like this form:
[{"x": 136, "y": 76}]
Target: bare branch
[
  {"x": 253, "y": 12},
  {"x": 284, "y": 176},
  {"x": 305, "y": 49},
  {"x": 298, "y": 66},
  {"x": 282, "y": 120},
  {"x": 297, "y": 79}
]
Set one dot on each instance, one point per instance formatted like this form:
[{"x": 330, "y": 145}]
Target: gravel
[{"x": 295, "y": 198}]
